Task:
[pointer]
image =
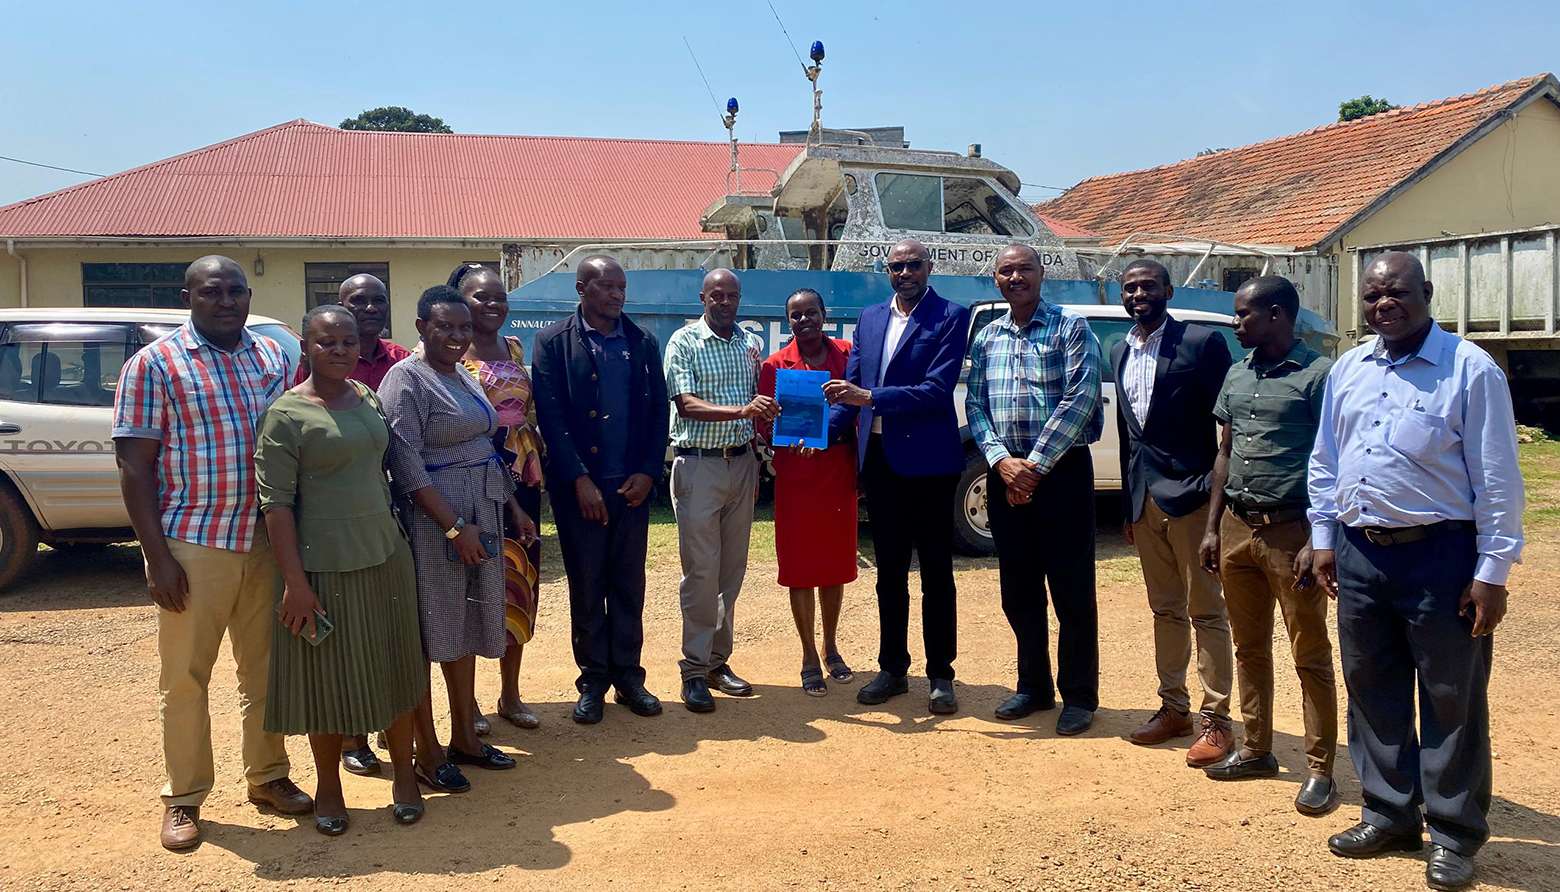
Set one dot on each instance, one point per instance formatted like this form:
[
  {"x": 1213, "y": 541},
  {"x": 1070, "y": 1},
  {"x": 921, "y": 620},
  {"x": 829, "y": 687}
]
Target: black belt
[
  {"x": 1404, "y": 535},
  {"x": 1255, "y": 518},
  {"x": 722, "y": 452}
]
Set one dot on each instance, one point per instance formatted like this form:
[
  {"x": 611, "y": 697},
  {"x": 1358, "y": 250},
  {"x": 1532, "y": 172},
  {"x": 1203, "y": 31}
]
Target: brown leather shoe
[
  {"x": 1165, "y": 724},
  {"x": 1213, "y": 744},
  {"x": 283, "y": 795},
  {"x": 181, "y": 828}
]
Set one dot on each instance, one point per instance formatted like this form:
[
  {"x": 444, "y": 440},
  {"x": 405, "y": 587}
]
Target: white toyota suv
[{"x": 59, "y": 370}]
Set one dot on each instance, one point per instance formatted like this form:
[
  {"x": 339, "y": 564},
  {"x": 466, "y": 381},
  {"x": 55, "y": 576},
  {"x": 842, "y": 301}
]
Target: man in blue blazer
[
  {"x": 898, "y": 393},
  {"x": 1168, "y": 376}
]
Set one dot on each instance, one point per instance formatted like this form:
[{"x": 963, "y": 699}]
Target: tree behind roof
[
  {"x": 1363, "y": 106},
  {"x": 398, "y": 119}
]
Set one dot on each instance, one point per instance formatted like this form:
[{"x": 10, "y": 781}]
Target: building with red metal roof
[{"x": 302, "y": 206}]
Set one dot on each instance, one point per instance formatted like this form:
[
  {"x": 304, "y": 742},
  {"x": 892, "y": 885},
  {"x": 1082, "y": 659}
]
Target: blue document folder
[{"x": 804, "y": 413}]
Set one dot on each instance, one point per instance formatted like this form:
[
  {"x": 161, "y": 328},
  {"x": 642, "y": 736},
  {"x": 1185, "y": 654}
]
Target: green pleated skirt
[{"x": 368, "y": 671}]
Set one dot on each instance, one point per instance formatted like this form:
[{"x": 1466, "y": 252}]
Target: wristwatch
[{"x": 454, "y": 531}]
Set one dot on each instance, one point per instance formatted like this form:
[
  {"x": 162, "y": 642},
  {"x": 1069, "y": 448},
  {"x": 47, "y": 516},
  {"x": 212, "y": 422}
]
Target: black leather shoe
[
  {"x": 1074, "y": 720},
  {"x": 588, "y": 710},
  {"x": 728, "y": 683},
  {"x": 1366, "y": 840},
  {"x": 639, "y": 701},
  {"x": 942, "y": 701},
  {"x": 1317, "y": 796},
  {"x": 1021, "y": 705},
  {"x": 879, "y": 689},
  {"x": 1233, "y": 767},
  {"x": 335, "y": 825},
  {"x": 446, "y": 778},
  {"x": 1448, "y": 870},
  {"x": 696, "y": 695},
  {"x": 361, "y": 761},
  {"x": 491, "y": 758}
]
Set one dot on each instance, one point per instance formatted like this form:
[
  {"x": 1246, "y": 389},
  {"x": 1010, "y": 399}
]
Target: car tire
[
  {"x": 971, "y": 533},
  {"x": 18, "y": 536}
]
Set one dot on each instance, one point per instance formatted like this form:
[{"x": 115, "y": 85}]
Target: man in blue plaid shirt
[{"x": 1033, "y": 408}]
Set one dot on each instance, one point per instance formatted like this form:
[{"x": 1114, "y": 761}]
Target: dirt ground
[{"x": 777, "y": 791}]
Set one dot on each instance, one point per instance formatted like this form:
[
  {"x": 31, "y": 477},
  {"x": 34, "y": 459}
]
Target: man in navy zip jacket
[
  {"x": 898, "y": 394},
  {"x": 601, "y": 406}
]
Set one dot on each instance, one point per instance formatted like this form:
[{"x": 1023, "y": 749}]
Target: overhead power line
[
  {"x": 1038, "y": 186},
  {"x": 87, "y": 173},
  {"x": 787, "y": 34},
  {"x": 713, "y": 101}
]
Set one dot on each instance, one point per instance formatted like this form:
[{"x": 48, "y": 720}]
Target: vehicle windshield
[
  {"x": 276, "y": 331},
  {"x": 284, "y": 336}
]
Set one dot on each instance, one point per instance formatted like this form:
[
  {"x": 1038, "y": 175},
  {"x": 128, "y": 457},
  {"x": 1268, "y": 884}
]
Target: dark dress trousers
[
  {"x": 1170, "y": 456},
  {"x": 910, "y": 471},
  {"x": 1048, "y": 543},
  {"x": 1398, "y": 617},
  {"x": 605, "y": 564}
]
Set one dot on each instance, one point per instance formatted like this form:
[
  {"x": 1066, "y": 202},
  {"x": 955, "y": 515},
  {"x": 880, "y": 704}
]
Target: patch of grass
[
  {"x": 1119, "y": 571},
  {"x": 1539, "y": 459},
  {"x": 1540, "y": 462},
  {"x": 661, "y": 547}
]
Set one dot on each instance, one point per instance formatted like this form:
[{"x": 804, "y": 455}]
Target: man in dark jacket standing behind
[
  {"x": 1168, "y": 376},
  {"x": 601, "y": 406}
]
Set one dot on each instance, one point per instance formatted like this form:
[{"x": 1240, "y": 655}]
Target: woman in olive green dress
[{"x": 347, "y": 655}]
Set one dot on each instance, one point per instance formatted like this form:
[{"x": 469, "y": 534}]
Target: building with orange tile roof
[{"x": 1486, "y": 162}]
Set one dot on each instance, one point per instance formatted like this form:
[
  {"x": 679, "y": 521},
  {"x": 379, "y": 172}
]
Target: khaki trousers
[
  {"x": 712, "y": 498},
  {"x": 233, "y": 592},
  {"x": 1185, "y": 597},
  {"x": 1257, "y": 566}
]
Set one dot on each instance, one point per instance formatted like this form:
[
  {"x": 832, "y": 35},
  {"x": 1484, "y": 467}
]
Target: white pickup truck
[
  {"x": 1110, "y": 324},
  {"x": 59, "y": 371}
]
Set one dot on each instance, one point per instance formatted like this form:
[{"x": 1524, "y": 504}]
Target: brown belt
[{"x": 1404, "y": 535}]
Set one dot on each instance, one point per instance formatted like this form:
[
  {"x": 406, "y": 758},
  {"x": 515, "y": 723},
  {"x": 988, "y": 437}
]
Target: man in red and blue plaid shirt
[{"x": 184, "y": 434}]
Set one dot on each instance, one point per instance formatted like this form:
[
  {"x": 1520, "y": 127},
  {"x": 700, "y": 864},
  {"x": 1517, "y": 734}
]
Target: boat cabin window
[
  {"x": 971, "y": 206},
  {"x": 963, "y": 205},
  {"x": 910, "y": 201},
  {"x": 793, "y": 229}
]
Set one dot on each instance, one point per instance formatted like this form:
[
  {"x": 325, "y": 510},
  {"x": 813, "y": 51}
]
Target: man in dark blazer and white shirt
[
  {"x": 898, "y": 395},
  {"x": 1168, "y": 376}
]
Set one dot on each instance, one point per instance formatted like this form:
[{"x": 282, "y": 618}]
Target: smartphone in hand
[{"x": 490, "y": 547}]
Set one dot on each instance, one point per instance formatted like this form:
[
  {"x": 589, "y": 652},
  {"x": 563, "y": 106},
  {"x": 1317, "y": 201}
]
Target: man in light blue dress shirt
[{"x": 1416, "y": 519}]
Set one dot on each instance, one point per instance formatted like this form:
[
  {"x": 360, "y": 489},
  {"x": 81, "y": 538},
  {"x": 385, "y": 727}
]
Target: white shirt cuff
[
  {"x": 1324, "y": 534},
  {"x": 1492, "y": 569}
]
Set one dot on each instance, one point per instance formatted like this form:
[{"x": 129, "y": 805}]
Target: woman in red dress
[{"x": 815, "y": 500}]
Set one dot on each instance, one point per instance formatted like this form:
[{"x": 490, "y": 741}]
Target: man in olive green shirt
[{"x": 1258, "y": 539}]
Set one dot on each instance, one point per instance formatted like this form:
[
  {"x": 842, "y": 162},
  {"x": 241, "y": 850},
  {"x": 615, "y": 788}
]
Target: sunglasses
[{"x": 902, "y": 265}]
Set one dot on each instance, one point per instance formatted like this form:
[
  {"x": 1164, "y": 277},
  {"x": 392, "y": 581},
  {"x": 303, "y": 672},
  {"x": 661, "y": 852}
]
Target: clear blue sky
[{"x": 1057, "y": 92}]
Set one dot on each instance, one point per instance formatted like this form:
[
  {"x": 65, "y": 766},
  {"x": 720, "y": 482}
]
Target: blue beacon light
[
  {"x": 731, "y": 106},
  {"x": 817, "y": 51}
]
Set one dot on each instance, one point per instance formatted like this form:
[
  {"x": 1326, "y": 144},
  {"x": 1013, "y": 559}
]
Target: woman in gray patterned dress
[{"x": 442, "y": 461}]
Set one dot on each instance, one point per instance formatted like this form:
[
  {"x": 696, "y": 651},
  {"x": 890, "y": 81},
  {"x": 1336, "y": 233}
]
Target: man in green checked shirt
[
  {"x": 712, "y": 376},
  {"x": 1033, "y": 406}
]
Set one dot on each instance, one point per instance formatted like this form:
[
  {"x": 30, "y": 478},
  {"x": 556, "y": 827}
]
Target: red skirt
[{"x": 815, "y": 517}]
